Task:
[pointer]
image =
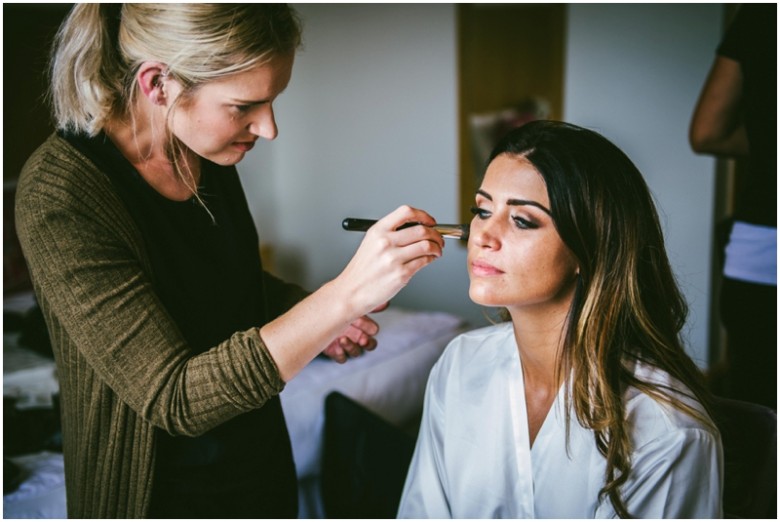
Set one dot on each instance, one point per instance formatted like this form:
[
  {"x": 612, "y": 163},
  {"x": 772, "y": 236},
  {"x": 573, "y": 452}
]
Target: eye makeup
[{"x": 520, "y": 222}]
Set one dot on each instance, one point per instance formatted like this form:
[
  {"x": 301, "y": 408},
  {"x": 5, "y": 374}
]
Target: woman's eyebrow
[
  {"x": 484, "y": 194},
  {"x": 239, "y": 101},
  {"x": 517, "y": 202},
  {"x": 529, "y": 202}
]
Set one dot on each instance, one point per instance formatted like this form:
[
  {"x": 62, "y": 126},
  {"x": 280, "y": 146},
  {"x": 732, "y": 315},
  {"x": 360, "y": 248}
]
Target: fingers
[
  {"x": 362, "y": 328},
  {"x": 355, "y": 348},
  {"x": 426, "y": 239},
  {"x": 398, "y": 247},
  {"x": 335, "y": 352},
  {"x": 359, "y": 336},
  {"x": 410, "y": 235},
  {"x": 388, "y": 258},
  {"x": 356, "y": 339},
  {"x": 406, "y": 214},
  {"x": 345, "y": 348}
]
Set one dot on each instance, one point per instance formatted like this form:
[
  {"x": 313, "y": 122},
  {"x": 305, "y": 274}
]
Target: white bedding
[
  {"x": 42, "y": 494},
  {"x": 28, "y": 377},
  {"x": 31, "y": 379}
]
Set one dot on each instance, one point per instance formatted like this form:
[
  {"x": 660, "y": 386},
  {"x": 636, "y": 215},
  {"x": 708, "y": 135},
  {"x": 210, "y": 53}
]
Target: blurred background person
[{"x": 736, "y": 117}]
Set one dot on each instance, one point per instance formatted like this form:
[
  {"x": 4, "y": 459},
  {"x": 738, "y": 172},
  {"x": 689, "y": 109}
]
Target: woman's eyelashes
[
  {"x": 520, "y": 222},
  {"x": 481, "y": 213},
  {"x": 524, "y": 223}
]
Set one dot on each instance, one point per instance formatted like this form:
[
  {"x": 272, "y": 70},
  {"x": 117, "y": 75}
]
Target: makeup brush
[{"x": 454, "y": 231}]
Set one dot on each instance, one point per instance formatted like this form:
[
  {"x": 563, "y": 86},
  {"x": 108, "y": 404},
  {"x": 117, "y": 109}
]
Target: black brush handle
[{"x": 362, "y": 225}]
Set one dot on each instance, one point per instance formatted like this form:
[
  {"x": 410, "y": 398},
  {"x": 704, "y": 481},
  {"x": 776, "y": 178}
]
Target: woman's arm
[
  {"x": 357, "y": 338},
  {"x": 678, "y": 475},
  {"x": 385, "y": 262},
  {"x": 91, "y": 276},
  {"x": 717, "y": 126}
]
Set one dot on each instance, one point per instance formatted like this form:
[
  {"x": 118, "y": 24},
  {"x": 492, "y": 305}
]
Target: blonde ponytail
[
  {"x": 100, "y": 46},
  {"x": 87, "y": 71}
]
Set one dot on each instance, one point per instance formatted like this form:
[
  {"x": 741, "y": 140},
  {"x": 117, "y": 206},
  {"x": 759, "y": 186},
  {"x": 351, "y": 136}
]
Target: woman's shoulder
[
  {"x": 480, "y": 347},
  {"x": 652, "y": 418},
  {"x": 470, "y": 364},
  {"x": 56, "y": 147},
  {"x": 57, "y": 170},
  {"x": 59, "y": 186}
]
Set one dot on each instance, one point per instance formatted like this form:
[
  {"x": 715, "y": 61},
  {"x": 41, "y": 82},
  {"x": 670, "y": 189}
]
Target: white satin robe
[{"x": 473, "y": 457}]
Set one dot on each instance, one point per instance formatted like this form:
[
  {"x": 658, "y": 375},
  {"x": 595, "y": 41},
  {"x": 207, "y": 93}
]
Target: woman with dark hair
[
  {"x": 583, "y": 404},
  {"x": 171, "y": 342}
]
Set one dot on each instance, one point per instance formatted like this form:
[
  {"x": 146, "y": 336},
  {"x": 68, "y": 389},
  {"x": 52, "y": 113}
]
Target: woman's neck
[
  {"x": 539, "y": 338},
  {"x": 142, "y": 140}
]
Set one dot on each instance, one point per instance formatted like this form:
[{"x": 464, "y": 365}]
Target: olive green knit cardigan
[{"x": 122, "y": 364}]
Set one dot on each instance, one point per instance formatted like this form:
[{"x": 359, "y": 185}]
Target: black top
[
  {"x": 751, "y": 40},
  {"x": 208, "y": 274}
]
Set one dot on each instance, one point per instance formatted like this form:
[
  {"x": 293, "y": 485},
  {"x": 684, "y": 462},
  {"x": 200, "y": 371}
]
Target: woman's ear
[{"x": 151, "y": 78}]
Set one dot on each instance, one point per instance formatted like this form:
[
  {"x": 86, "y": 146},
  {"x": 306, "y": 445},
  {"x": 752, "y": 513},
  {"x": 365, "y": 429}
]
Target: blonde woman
[
  {"x": 584, "y": 403},
  {"x": 171, "y": 343}
]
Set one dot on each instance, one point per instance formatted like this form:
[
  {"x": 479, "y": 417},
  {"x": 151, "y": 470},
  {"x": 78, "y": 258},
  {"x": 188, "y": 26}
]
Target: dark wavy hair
[{"x": 627, "y": 306}]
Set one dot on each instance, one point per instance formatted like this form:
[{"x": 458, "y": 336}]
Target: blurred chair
[
  {"x": 749, "y": 434},
  {"x": 364, "y": 461}
]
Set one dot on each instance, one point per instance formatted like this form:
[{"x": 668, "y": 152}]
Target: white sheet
[
  {"x": 28, "y": 377},
  {"x": 42, "y": 494}
]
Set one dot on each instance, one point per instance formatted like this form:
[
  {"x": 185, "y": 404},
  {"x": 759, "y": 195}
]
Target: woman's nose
[
  {"x": 264, "y": 125},
  {"x": 483, "y": 233}
]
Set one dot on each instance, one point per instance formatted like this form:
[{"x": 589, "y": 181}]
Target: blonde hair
[{"x": 99, "y": 48}]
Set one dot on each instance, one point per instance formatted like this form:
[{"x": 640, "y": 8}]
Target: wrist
[{"x": 343, "y": 299}]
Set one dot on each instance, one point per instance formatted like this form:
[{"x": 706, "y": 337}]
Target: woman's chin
[{"x": 481, "y": 297}]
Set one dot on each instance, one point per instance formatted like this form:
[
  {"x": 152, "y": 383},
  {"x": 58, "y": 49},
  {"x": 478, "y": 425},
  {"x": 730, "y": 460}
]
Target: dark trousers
[{"x": 749, "y": 315}]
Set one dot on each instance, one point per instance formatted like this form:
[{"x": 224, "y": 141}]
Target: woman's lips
[
  {"x": 480, "y": 268},
  {"x": 244, "y": 146}
]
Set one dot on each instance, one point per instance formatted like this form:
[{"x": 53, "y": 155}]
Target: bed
[
  {"x": 29, "y": 387},
  {"x": 389, "y": 381}
]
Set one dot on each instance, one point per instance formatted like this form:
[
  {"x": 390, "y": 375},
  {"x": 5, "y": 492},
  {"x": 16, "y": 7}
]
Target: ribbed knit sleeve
[{"x": 122, "y": 363}]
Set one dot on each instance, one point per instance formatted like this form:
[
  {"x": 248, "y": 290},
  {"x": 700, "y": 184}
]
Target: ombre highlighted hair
[{"x": 627, "y": 306}]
